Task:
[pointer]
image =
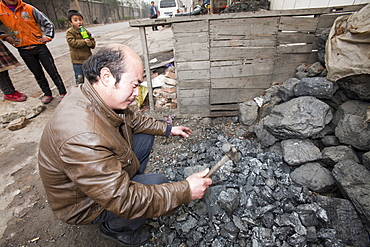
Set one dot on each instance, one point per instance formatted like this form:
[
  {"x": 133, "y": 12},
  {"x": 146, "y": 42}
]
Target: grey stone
[
  {"x": 318, "y": 87},
  {"x": 229, "y": 200},
  {"x": 334, "y": 154},
  {"x": 315, "y": 69},
  {"x": 248, "y": 112},
  {"x": 345, "y": 221},
  {"x": 356, "y": 86},
  {"x": 297, "y": 151},
  {"x": 301, "y": 75},
  {"x": 264, "y": 137},
  {"x": 366, "y": 160},
  {"x": 10, "y": 111},
  {"x": 17, "y": 124},
  {"x": 351, "y": 131},
  {"x": 353, "y": 180},
  {"x": 286, "y": 90},
  {"x": 300, "y": 118},
  {"x": 330, "y": 140},
  {"x": 314, "y": 176}
]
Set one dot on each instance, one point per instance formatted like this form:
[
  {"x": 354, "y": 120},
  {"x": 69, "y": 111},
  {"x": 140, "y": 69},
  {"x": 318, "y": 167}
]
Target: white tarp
[{"x": 348, "y": 46}]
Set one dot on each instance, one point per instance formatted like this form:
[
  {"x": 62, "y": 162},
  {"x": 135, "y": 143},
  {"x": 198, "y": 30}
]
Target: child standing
[
  {"x": 23, "y": 22},
  {"x": 79, "y": 47}
]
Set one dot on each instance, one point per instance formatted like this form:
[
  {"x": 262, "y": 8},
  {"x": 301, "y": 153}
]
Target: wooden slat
[
  {"x": 260, "y": 61},
  {"x": 296, "y": 37},
  {"x": 191, "y": 110},
  {"x": 234, "y": 53},
  {"x": 304, "y": 48},
  {"x": 192, "y": 74},
  {"x": 327, "y": 20},
  {"x": 190, "y": 38},
  {"x": 244, "y": 41},
  {"x": 194, "y": 97},
  {"x": 228, "y": 107},
  {"x": 191, "y": 56},
  {"x": 190, "y": 27},
  {"x": 222, "y": 96},
  {"x": 223, "y": 113},
  {"x": 294, "y": 23},
  {"x": 253, "y": 26},
  {"x": 200, "y": 83},
  {"x": 241, "y": 71},
  {"x": 242, "y": 82},
  {"x": 197, "y": 65},
  {"x": 290, "y": 58}
]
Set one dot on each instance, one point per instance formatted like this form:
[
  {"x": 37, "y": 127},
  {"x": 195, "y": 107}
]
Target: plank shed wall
[{"x": 223, "y": 60}]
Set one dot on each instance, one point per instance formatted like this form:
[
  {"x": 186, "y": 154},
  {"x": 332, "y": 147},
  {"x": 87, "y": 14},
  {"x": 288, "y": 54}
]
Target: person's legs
[
  {"x": 143, "y": 144},
  {"x": 79, "y": 73},
  {"x": 47, "y": 61},
  {"x": 6, "y": 84},
  {"x": 31, "y": 60}
]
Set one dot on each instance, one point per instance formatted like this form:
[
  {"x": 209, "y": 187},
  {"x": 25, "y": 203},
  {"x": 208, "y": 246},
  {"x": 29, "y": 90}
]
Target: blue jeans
[
  {"x": 143, "y": 144},
  {"x": 34, "y": 58},
  {"x": 79, "y": 73}
]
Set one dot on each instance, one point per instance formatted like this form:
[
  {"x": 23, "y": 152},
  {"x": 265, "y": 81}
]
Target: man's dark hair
[
  {"x": 73, "y": 12},
  {"x": 112, "y": 58}
]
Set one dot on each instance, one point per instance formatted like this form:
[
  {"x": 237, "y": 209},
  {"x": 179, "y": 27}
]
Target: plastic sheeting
[{"x": 348, "y": 46}]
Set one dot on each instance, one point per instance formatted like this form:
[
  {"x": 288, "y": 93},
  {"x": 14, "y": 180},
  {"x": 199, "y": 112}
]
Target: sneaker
[
  {"x": 46, "y": 99},
  {"x": 61, "y": 97},
  {"x": 15, "y": 96}
]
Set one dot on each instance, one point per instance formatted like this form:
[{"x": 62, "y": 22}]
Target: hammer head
[{"x": 231, "y": 152}]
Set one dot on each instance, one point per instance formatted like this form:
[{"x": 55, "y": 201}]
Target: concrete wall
[{"x": 303, "y": 4}]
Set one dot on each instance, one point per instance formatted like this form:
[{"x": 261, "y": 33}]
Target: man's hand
[
  {"x": 11, "y": 40},
  {"x": 199, "y": 184},
  {"x": 44, "y": 39},
  {"x": 181, "y": 131}
]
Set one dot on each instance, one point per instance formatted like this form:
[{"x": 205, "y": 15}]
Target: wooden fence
[{"x": 222, "y": 60}]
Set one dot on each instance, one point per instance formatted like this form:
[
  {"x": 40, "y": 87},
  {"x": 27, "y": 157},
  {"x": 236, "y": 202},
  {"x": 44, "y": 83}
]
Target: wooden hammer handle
[{"x": 220, "y": 163}]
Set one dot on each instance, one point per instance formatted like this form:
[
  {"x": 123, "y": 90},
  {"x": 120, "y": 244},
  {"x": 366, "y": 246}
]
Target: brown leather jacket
[{"x": 86, "y": 164}]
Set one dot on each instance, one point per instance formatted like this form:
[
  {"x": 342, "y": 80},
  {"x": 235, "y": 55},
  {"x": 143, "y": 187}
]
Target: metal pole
[{"x": 144, "y": 43}]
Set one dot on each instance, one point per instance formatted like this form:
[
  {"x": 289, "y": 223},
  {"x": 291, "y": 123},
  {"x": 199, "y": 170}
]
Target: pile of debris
[
  {"x": 247, "y": 6},
  {"x": 304, "y": 180}
]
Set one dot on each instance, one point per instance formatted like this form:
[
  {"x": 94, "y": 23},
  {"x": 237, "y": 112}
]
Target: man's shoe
[
  {"x": 134, "y": 238},
  {"x": 15, "y": 96},
  {"x": 46, "y": 99}
]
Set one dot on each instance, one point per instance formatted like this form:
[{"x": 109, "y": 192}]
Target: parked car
[{"x": 168, "y": 8}]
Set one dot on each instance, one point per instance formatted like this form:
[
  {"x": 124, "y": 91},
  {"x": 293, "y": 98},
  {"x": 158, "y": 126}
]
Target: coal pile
[
  {"x": 253, "y": 202},
  {"x": 247, "y": 6}
]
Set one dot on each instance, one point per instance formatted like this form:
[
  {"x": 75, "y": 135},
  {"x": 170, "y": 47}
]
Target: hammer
[{"x": 230, "y": 153}]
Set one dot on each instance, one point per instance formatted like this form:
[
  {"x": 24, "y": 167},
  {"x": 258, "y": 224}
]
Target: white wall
[{"x": 304, "y": 4}]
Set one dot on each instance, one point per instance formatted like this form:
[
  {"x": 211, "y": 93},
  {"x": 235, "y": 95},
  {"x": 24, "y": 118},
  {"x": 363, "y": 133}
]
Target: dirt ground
[{"x": 26, "y": 218}]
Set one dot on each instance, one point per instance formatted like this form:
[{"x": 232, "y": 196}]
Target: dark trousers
[
  {"x": 6, "y": 84},
  {"x": 79, "y": 73},
  {"x": 143, "y": 144},
  {"x": 34, "y": 58}
]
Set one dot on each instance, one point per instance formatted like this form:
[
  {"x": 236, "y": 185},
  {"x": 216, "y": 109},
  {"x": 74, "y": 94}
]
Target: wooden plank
[
  {"x": 260, "y": 61},
  {"x": 253, "y": 26},
  {"x": 294, "y": 23},
  {"x": 197, "y": 65},
  {"x": 189, "y": 38},
  {"x": 194, "y": 84},
  {"x": 245, "y": 15},
  {"x": 223, "y": 113},
  {"x": 191, "y": 56},
  {"x": 257, "y": 41},
  {"x": 295, "y": 48},
  {"x": 241, "y": 70},
  {"x": 191, "y": 110},
  {"x": 195, "y": 94},
  {"x": 327, "y": 20},
  {"x": 190, "y": 27},
  {"x": 291, "y": 58},
  {"x": 242, "y": 82},
  {"x": 191, "y": 47},
  {"x": 192, "y": 74},
  {"x": 295, "y": 37},
  {"x": 222, "y": 96},
  {"x": 234, "y": 53},
  {"x": 227, "y": 107}
]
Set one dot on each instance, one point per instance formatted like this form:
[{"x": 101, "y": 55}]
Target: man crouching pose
[{"x": 94, "y": 150}]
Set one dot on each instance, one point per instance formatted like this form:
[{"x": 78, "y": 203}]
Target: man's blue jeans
[{"x": 143, "y": 144}]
